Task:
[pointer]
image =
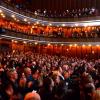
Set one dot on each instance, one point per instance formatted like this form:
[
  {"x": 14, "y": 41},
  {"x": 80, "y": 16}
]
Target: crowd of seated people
[
  {"x": 50, "y": 31},
  {"x": 69, "y": 13},
  {"x": 75, "y": 13},
  {"x": 52, "y": 77}
]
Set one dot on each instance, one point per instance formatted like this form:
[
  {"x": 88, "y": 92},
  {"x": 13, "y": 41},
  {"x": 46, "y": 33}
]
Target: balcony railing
[{"x": 13, "y": 35}]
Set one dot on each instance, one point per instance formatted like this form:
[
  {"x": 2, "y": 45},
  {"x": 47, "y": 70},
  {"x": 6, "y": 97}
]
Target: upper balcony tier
[{"x": 67, "y": 16}]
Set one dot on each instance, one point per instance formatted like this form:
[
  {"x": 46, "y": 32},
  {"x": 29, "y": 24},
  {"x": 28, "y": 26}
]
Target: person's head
[
  {"x": 32, "y": 96},
  {"x": 22, "y": 80},
  {"x": 35, "y": 73},
  {"x": 27, "y": 71},
  {"x": 48, "y": 83},
  {"x": 56, "y": 79},
  {"x": 66, "y": 75},
  {"x": 12, "y": 74}
]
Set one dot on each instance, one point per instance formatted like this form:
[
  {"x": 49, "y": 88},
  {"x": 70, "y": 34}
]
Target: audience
[
  {"x": 74, "y": 13},
  {"x": 25, "y": 76},
  {"x": 50, "y": 31}
]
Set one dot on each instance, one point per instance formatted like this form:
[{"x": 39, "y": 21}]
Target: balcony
[
  {"x": 8, "y": 34},
  {"x": 31, "y": 14}
]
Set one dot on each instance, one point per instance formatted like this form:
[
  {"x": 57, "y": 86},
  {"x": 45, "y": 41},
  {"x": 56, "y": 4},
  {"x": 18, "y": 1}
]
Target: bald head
[{"x": 32, "y": 96}]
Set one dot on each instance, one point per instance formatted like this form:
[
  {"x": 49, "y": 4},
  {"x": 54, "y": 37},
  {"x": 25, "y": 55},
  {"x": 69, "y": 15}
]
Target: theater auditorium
[{"x": 49, "y": 50}]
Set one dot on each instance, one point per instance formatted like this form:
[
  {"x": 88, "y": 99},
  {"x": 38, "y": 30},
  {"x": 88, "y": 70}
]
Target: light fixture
[
  {"x": 62, "y": 44},
  {"x": 97, "y": 45},
  {"x": 89, "y": 45},
  {"x": 24, "y": 42},
  {"x": 17, "y": 20},
  {"x": 76, "y": 24},
  {"x": 0, "y": 11},
  {"x": 33, "y": 27},
  {"x": 36, "y": 13},
  {"x": 2, "y": 14},
  {"x": 50, "y": 24},
  {"x": 85, "y": 25},
  {"x": 49, "y": 44},
  {"x": 70, "y": 45},
  {"x": 15, "y": 41},
  {"x": 36, "y": 43},
  {"x": 83, "y": 45},
  {"x": 67, "y": 49},
  {"x": 63, "y": 25},
  {"x": 75, "y": 45},
  {"x": 25, "y": 19},
  {"x": 42, "y": 24},
  {"x": 12, "y": 40},
  {"x": 93, "y": 52},
  {"x": 13, "y": 16},
  {"x": 37, "y": 22},
  {"x": 28, "y": 22}
]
